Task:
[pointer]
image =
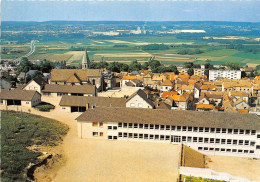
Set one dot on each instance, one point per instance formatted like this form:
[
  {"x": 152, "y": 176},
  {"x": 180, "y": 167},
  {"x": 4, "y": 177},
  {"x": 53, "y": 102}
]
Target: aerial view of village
[{"x": 130, "y": 91}]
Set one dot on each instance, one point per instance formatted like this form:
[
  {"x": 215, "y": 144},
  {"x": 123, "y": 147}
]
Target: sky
[{"x": 128, "y": 10}]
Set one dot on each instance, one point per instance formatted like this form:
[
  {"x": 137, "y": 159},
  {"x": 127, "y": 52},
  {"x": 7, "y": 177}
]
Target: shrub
[{"x": 45, "y": 108}]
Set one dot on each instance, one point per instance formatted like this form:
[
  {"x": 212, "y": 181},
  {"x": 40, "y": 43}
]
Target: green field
[
  {"x": 19, "y": 131},
  {"x": 103, "y": 49}
]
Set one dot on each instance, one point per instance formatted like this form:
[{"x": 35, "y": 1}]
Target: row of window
[
  {"x": 187, "y": 128},
  {"x": 226, "y": 150},
  {"x": 100, "y": 124},
  {"x": 186, "y": 139},
  {"x": 98, "y": 134}
]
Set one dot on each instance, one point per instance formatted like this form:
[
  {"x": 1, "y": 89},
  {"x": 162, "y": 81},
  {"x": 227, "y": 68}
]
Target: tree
[
  {"x": 251, "y": 74},
  {"x": 243, "y": 74},
  {"x": 188, "y": 65},
  {"x": 25, "y": 65},
  {"x": 233, "y": 66},
  {"x": 154, "y": 64},
  {"x": 206, "y": 72},
  {"x": 145, "y": 66},
  {"x": 190, "y": 71},
  {"x": 135, "y": 66},
  {"x": 114, "y": 67}
]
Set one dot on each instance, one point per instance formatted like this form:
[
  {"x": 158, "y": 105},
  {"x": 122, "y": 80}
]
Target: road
[{"x": 29, "y": 53}]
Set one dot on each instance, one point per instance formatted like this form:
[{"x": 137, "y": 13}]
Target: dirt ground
[
  {"x": 236, "y": 166},
  {"x": 103, "y": 160}
]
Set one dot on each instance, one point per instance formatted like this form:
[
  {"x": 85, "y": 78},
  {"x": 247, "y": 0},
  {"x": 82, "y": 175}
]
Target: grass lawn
[{"x": 19, "y": 131}]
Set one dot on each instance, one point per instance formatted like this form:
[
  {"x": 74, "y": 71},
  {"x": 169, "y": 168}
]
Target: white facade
[
  {"x": 209, "y": 141},
  {"x": 138, "y": 102},
  {"x": 229, "y": 74}
]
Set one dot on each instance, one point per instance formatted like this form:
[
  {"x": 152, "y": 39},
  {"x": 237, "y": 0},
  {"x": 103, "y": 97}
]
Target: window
[
  {"x": 125, "y": 135},
  {"x": 240, "y": 151},
  {"x": 114, "y": 127},
  {"x": 229, "y": 131},
  {"x": 101, "y": 134},
  {"x": 95, "y": 124},
  {"x": 258, "y": 147},
  {"x": 27, "y": 102},
  {"x": 212, "y": 130},
  {"x": 184, "y": 138},
  {"x": 251, "y": 152},
  {"x": 189, "y": 139},
  {"x": 162, "y": 127},
  {"x": 258, "y": 136},
  {"x": 234, "y": 150},
  {"x": 125, "y": 125},
  {"x": 120, "y": 134},
  {"x": 195, "y": 139},
  {"x": 211, "y": 149},
  {"x": 173, "y": 128},
  {"x": 253, "y": 132},
  {"x": 156, "y": 137},
  {"x": 201, "y": 129},
  {"x": 229, "y": 141},
  {"x": 130, "y": 135},
  {"x": 157, "y": 127},
  {"x": 132, "y": 105},
  {"x": 245, "y": 151},
  {"x": 207, "y": 130},
  {"x": 119, "y": 125},
  {"x": 206, "y": 140},
  {"x": 247, "y": 132},
  {"x": 235, "y": 131},
  {"x": 135, "y": 135},
  {"x": 141, "y": 126},
  {"x": 189, "y": 128},
  {"x": 218, "y": 130},
  {"x": 252, "y": 143},
  {"x": 206, "y": 148},
  {"x": 199, "y": 148},
  {"x": 178, "y": 128},
  {"x": 228, "y": 150},
  {"x": 167, "y": 137},
  {"x": 145, "y": 136},
  {"x": 146, "y": 126},
  {"x": 200, "y": 139},
  {"x": 241, "y": 142},
  {"x": 151, "y": 137},
  {"x": 115, "y": 137},
  {"x": 223, "y": 141},
  {"x": 212, "y": 140},
  {"x": 168, "y": 127},
  {"x": 140, "y": 105},
  {"x": 217, "y": 149},
  {"x": 109, "y": 127},
  {"x": 241, "y": 132},
  {"x": 151, "y": 126},
  {"x": 141, "y": 136},
  {"x": 95, "y": 133},
  {"x": 161, "y": 137},
  {"x": 223, "y": 150},
  {"x": 101, "y": 124},
  {"x": 246, "y": 142},
  {"x": 234, "y": 142},
  {"x": 110, "y": 137},
  {"x": 135, "y": 125},
  {"x": 224, "y": 130},
  {"x": 130, "y": 125}
]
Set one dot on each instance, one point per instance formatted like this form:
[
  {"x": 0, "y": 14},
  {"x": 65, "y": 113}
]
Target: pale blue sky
[{"x": 225, "y": 10}]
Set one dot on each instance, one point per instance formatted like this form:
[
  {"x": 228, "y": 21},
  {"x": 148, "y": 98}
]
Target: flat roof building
[{"x": 232, "y": 134}]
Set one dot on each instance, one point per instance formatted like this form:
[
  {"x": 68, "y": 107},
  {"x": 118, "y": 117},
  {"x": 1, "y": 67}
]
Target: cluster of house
[{"x": 157, "y": 110}]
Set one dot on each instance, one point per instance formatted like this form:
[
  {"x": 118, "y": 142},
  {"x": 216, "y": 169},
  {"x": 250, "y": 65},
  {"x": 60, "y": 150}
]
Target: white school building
[
  {"x": 229, "y": 74},
  {"x": 229, "y": 134}
]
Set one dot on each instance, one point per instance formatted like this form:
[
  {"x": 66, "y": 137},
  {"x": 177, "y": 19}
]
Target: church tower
[{"x": 85, "y": 60}]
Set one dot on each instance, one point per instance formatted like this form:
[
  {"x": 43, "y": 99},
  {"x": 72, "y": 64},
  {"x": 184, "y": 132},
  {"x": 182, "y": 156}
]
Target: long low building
[
  {"x": 213, "y": 133},
  {"x": 81, "y": 103},
  {"x": 18, "y": 97},
  {"x": 76, "y": 90}
]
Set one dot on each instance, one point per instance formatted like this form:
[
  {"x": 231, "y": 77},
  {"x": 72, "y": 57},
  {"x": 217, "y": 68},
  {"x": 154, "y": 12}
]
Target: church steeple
[{"x": 85, "y": 60}]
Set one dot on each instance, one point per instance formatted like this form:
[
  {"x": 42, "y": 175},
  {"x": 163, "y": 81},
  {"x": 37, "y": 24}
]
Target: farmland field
[{"x": 127, "y": 49}]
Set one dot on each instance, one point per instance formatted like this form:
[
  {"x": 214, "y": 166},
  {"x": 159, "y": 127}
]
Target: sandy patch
[
  {"x": 228, "y": 38},
  {"x": 236, "y": 166}
]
